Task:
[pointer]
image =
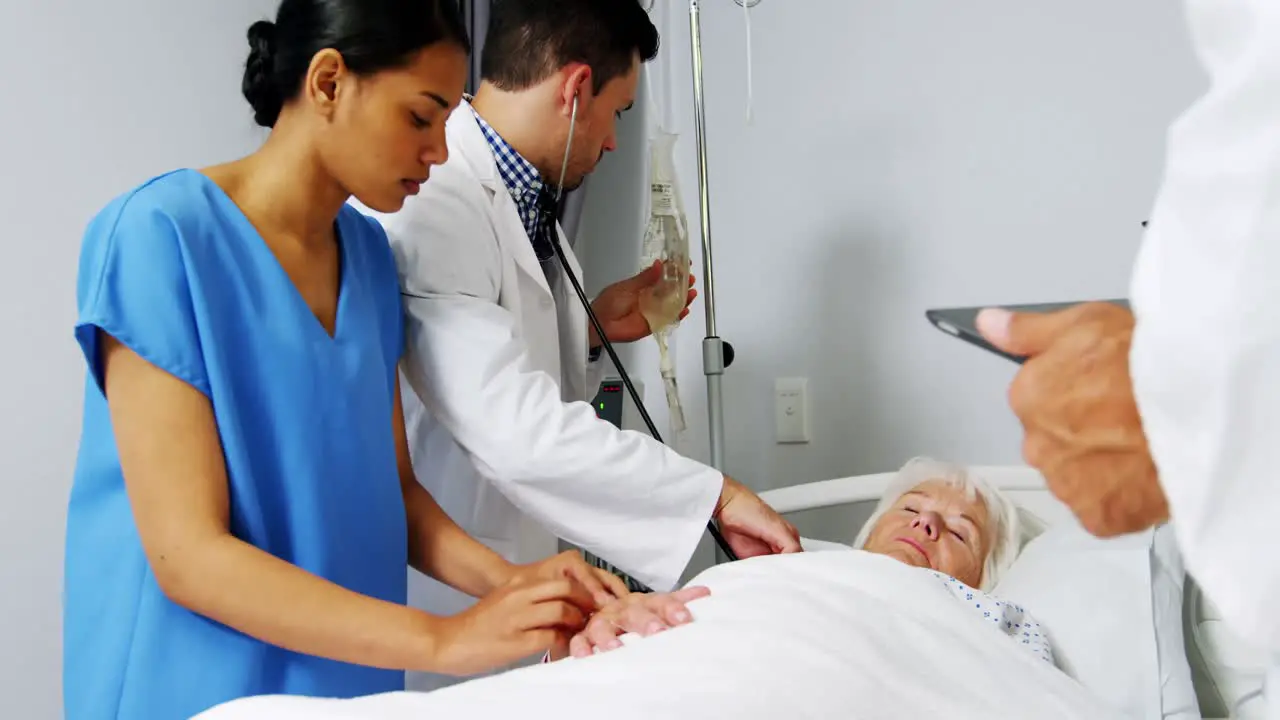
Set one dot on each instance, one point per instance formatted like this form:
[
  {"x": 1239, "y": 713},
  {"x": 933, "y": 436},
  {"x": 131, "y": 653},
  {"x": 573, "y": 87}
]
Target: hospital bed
[
  {"x": 1205, "y": 670},
  {"x": 1125, "y": 624}
]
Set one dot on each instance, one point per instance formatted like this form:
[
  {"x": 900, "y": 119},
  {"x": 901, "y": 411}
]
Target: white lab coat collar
[
  {"x": 469, "y": 144},
  {"x": 463, "y": 133},
  {"x": 467, "y": 140}
]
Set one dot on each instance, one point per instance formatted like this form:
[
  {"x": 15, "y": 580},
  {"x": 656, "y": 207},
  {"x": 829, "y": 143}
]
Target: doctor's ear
[
  {"x": 577, "y": 83},
  {"x": 326, "y": 79}
]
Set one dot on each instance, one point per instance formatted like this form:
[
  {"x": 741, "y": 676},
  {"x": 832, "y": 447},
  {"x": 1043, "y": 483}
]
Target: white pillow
[{"x": 1113, "y": 612}]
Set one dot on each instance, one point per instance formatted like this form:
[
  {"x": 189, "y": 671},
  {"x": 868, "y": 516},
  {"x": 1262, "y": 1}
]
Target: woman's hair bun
[
  {"x": 259, "y": 85},
  {"x": 370, "y": 35}
]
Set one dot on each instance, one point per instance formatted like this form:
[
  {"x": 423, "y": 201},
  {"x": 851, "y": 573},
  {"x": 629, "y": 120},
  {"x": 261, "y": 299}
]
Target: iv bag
[{"x": 667, "y": 239}]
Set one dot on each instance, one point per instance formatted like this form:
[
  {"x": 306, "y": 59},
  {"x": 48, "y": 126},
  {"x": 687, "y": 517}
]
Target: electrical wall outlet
[{"x": 791, "y": 403}]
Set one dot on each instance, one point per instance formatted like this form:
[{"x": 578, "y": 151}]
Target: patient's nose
[{"x": 928, "y": 522}]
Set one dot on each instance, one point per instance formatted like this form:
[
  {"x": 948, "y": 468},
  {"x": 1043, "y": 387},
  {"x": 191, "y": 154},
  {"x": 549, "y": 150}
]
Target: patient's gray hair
[{"x": 1003, "y": 522}]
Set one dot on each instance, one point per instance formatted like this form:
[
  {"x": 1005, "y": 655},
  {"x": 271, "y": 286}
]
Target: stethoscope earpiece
[{"x": 564, "y": 167}]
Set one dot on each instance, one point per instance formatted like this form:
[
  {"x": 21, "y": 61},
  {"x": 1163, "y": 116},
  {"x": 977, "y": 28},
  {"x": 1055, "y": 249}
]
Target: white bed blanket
[{"x": 812, "y": 635}]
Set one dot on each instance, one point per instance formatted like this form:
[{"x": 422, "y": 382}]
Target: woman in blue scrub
[{"x": 244, "y": 507}]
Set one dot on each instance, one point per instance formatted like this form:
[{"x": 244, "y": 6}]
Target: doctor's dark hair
[
  {"x": 371, "y": 35},
  {"x": 528, "y": 40}
]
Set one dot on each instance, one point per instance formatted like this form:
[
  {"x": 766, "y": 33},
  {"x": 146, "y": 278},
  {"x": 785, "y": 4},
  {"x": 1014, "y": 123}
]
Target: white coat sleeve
[
  {"x": 618, "y": 494},
  {"x": 1206, "y": 353}
]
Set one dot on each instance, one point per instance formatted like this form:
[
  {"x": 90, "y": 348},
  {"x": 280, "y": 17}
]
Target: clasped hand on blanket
[{"x": 934, "y": 516}]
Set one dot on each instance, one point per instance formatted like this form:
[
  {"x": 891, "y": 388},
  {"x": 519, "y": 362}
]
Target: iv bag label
[
  {"x": 654, "y": 242},
  {"x": 664, "y": 199}
]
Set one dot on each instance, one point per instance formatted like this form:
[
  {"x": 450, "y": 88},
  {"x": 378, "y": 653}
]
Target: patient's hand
[{"x": 640, "y": 613}]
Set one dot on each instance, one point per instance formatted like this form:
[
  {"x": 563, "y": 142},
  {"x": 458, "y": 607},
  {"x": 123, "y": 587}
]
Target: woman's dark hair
[
  {"x": 528, "y": 40},
  {"x": 371, "y": 35}
]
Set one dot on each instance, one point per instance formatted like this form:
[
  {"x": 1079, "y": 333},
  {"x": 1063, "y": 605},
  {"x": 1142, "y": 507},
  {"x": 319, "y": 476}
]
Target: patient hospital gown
[{"x": 1007, "y": 617}]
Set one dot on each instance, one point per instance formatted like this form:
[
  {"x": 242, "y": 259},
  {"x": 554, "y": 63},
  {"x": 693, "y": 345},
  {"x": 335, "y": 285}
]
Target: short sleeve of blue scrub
[{"x": 174, "y": 271}]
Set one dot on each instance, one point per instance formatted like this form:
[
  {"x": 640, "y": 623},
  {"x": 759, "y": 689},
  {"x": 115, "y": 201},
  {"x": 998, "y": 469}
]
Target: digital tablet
[{"x": 962, "y": 322}]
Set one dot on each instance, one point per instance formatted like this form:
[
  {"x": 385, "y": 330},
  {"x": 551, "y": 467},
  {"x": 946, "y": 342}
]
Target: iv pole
[
  {"x": 716, "y": 353},
  {"x": 713, "y": 363}
]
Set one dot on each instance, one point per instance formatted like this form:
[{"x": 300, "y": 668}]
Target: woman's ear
[{"x": 325, "y": 75}]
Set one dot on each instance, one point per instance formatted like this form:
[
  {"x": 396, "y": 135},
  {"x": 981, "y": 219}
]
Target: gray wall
[
  {"x": 99, "y": 97},
  {"x": 906, "y": 155}
]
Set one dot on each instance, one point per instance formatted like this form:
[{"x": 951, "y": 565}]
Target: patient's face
[{"x": 935, "y": 526}]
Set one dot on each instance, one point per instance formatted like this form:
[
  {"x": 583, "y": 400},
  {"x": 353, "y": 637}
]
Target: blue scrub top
[{"x": 177, "y": 273}]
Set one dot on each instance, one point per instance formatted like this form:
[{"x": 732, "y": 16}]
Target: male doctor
[
  {"x": 500, "y": 358},
  {"x": 1177, "y": 416}
]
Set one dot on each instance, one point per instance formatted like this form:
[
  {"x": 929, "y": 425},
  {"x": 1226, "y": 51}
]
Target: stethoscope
[{"x": 595, "y": 322}]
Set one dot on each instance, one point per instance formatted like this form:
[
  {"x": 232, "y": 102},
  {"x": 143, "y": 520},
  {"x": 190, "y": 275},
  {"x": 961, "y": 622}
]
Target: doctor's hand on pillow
[
  {"x": 618, "y": 306},
  {"x": 1075, "y": 400},
  {"x": 641, "y": 613},
  {"x": 750, "y": 526}
]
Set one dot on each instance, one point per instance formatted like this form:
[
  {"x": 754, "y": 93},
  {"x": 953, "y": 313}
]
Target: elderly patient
[
  {"x": 933, "y": 515},
  {"x": 938, "y": 515}
]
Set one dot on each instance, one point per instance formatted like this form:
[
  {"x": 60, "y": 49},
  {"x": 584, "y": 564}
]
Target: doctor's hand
[
  {"x": 1074, "y": 397},
  {"x": 641, "y": 613},
  {"x": 603, "y": 586},
  {"x": 750, "y": 526},
  {"x": 618, "y": 307}
]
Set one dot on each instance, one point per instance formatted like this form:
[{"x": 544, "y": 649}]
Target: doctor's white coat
[
  {"x": 498, "y": 389},
  {"x": 1206, "y": 293}
]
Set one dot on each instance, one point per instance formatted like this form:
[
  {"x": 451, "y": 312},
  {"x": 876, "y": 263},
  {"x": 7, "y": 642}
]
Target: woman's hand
[
  {"x": 641, "y": 613},
  {"x": 603, "y": 586},
  {"x": 518, "y": 620}
]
